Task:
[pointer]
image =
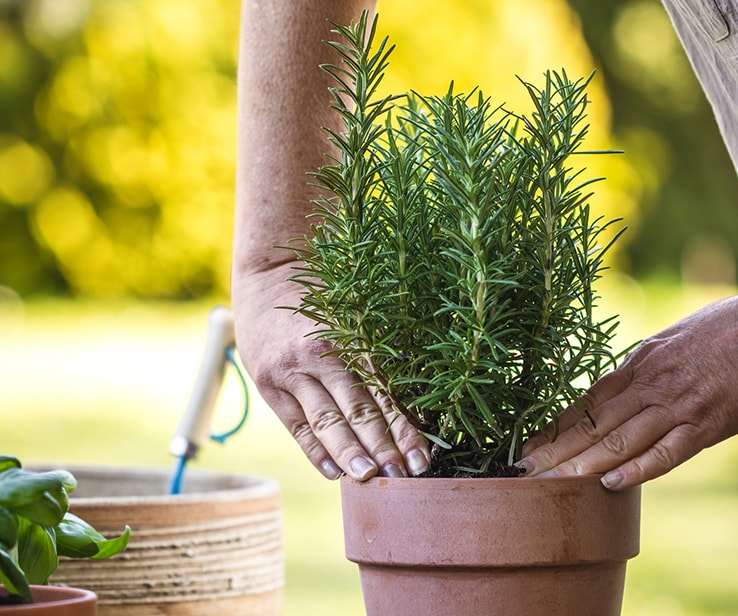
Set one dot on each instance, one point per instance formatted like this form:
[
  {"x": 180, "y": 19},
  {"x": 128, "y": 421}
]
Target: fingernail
[
  {"x": 612, "y": 479},
  {"x": 362, "y": 468},
  {"x": 392, "y": 470},
  {"x": 526, "y": 465},
  {"x": 330, "y": 469},
  {"x": 417, "y": 463}
]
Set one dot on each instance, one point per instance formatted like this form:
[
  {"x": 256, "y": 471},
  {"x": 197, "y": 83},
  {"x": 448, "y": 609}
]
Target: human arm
[
  {"x": 673, "y": 396},
  {"x": 283, "y": 105}
]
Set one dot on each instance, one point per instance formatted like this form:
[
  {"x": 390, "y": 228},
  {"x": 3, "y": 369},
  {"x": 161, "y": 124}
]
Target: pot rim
[
  {"x": 237, "y": 486},
  {"x": 57, "y": 596},
  {"x": 488, "y": 521},
  {"x": 440, "y": 481}
]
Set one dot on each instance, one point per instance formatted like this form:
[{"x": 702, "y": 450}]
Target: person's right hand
[
  {"x": 674, "y": 395},
  {"x": 336, "y": 421}
]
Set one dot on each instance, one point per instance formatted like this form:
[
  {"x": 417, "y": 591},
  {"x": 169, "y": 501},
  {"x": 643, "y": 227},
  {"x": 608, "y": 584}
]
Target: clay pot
[
  {"x": 498, "y": 547},
  {"x": 55, "y": 601},
  {"x": 216, "y": 548}
]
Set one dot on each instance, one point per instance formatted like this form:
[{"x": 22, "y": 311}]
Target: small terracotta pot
[
  {"x": 498, "y": 547},
  {"x": 216, "y": 548},
  {"x": 55, "y": 601}
]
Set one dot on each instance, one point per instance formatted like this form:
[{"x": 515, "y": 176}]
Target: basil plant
[{"x": 36, "y": 527}]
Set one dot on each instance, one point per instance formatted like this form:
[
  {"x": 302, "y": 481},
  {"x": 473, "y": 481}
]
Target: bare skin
[
  {"x": 283, "y": 103},
  {"x": 674, "y": 395}
]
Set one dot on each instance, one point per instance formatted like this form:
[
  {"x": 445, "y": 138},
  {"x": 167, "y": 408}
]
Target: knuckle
[
  {"x": 650, "y": 358},
  {"x": 274, "y": 370},
  {"x": 308, "y": 441},
  {"x": 636, "y": 352},
  {"x": 573, "y": 467},
  {"x": 646, "y": 346},
  {"x": 615, "y": 443},
  {"x": 662, "y": 456},
  {"x": 361, "y": 413},
  {"x": 294, "y": 357},
  {"x": 315, "y": 347},
  {"x": 586, "y": 430},
  {"x": 302, "y": 432},
  {"x": 325, "y": 419},
  {"x": 544, "y": 456},
  {"x": 405, "y": 435}
]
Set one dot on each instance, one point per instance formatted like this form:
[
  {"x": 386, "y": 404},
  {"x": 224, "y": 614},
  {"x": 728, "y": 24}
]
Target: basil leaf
[
  {"x": 8, "y": 529},
  {"x": 12, "y": 577},
  {"x": 77, "y": 539},
  {"x": 9, "y": 462},
  {"x": 36, "y": 551},
  {"x": 47, "y": 510},
  {"x": 19, "y": 487}
]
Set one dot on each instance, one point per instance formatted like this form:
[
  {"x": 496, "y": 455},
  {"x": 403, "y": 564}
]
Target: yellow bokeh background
[{"x": 128, "y": 180}]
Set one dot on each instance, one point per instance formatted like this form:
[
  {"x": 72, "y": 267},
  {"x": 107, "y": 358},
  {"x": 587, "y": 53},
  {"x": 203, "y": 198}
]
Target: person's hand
[
  {"x": 339, "y": 425},
  {"x": 674, "y": 395}
]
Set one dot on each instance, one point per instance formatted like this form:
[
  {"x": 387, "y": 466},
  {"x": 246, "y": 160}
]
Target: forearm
[{"x": 283, "y": 105}]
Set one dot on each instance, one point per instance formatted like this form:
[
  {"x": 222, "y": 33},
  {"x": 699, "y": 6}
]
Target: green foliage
[
  {"x": 117, "y": 157},
  {"x": 35, "y": 526},
  {"x": 453, "y": 261}
]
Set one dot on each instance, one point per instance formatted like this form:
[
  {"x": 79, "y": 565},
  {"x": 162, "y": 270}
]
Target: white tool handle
[{"x": 194, "y": 427}]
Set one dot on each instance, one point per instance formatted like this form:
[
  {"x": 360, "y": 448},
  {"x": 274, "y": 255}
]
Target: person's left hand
[
  {"x": 674, "y": 395},
  {"x": 339, "y": 424}
]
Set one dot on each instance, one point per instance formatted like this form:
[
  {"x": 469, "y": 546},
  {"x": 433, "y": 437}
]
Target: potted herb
[
  {"x": 35, "y": 528},
  {"x": 452, "y": 268}
]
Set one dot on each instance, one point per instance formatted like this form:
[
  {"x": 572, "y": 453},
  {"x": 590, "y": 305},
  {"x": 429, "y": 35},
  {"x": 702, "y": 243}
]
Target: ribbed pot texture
[
  {"x": 490, "y": 547},
  {"x": 213, "y": 550},
  {"x": 55, "y": 601}
]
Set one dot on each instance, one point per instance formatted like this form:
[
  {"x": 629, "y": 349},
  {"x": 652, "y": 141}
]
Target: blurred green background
[{"x": 117, "y": 166}]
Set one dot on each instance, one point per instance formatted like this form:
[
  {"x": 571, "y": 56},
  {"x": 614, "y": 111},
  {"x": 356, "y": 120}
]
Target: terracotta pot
[
  {"x": 217, "y": 548},
  {"x": 55, "y": 601},
  {"x": 492, "y": 547}
]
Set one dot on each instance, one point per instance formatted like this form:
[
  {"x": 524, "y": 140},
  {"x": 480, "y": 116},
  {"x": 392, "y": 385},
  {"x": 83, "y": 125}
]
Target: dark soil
[
  {"x": 496, "y": 469},
  {"x": 7, "y": 599}
]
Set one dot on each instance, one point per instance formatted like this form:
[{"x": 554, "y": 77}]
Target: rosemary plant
[{"x": 453, "y": 255}]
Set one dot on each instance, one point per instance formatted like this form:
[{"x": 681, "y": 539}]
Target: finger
[
  {"x": 589, "y": 409},
  {"x": 676, "y": 447},
  {"x": 293, "y": 417},
  {"x": 584, "y": 434},
  {"x": 343, "y": 430},
  {"x": 564, "y": 420},
  {"x": 622, "y": 443},
  {"x": 412, "y": 444},
  {"x": 389, "y": 438}
]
